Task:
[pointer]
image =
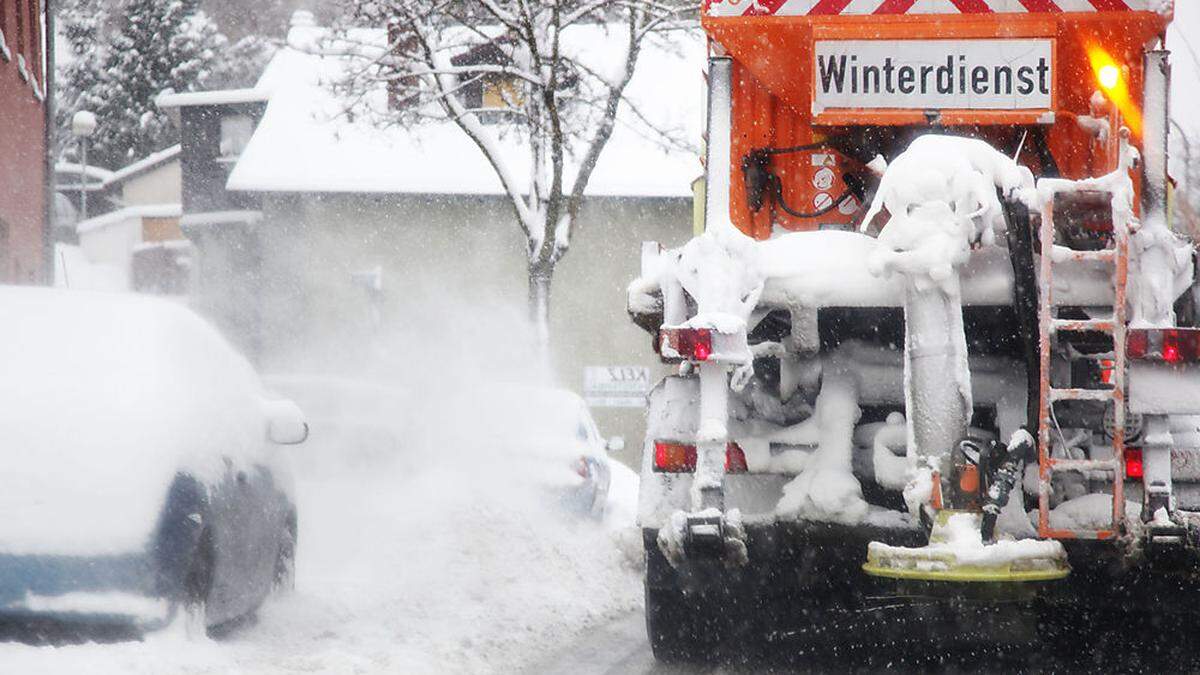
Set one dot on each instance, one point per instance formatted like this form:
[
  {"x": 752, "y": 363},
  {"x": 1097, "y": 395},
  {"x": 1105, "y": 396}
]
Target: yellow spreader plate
[
  {"x": 967, "y": 574},
  {"x": 938, "y": 562}
]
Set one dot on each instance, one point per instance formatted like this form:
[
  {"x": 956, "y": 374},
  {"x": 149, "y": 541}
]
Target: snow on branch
[{"x": 547, "y": 77}]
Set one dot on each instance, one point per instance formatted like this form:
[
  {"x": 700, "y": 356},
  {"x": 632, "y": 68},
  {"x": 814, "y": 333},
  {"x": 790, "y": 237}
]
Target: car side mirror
[
  {"x": 615, "y": 444},
  {"x": 285, "y": 422}
]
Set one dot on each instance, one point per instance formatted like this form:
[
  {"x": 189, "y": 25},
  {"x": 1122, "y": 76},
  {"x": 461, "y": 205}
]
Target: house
[
  {"x": 134, "y": 242},
  {"x": 329, "y": 232},
  {"x": 24, "y": 197}
]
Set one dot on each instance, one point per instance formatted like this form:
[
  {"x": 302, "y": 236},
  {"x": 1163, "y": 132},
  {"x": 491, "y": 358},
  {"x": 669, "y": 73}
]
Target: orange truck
[{"x": 936, "y": 345}]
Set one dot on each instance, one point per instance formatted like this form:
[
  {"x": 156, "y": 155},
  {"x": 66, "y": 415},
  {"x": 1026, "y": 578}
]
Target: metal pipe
[
  {"x": 83, "y": 180},
  {"x": 717, "y": 161},
  {"x": 935, "y": 351},
  {"x": 1155, "y": 113}
]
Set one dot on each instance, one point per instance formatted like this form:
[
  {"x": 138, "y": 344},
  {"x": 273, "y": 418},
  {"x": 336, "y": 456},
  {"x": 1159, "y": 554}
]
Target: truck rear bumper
[{"x": 818, "y": 566}]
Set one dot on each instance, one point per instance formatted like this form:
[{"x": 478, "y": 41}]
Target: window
[
  {"x": 236, "y": 131},
  {"x": 501, "y": 93}
]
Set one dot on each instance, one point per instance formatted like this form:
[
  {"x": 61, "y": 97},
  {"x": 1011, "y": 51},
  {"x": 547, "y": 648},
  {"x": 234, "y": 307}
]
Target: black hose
[{"x": 1025, "y": 306}]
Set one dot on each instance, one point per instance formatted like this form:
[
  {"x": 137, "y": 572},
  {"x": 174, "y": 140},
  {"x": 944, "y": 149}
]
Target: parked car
[
  {"x": 554, "y": 426},
  {"x": 142, "y": 473}
]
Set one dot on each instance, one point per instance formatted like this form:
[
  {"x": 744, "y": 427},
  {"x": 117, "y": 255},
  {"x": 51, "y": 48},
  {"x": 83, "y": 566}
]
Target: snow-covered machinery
[{"x": 938, "y": 338}]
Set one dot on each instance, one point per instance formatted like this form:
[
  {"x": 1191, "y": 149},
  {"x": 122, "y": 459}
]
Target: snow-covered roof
[
  {"x": 127, "y": 213},
  {"x": 145, "y": 164},
  {"x": 105, "y": 178},
  {"x": 193, "y": 221},
  {"x": 217, "y": 97},
  {"x": 94, "y": 173},
  {"x": 303, "y": 145}
]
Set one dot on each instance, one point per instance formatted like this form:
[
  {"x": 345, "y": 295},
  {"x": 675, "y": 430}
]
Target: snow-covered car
[
  {"x": 142, "y": 478},
  {"x": 551, "y": 430}
]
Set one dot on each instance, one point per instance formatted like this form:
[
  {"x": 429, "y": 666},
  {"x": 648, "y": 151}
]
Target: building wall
[
  {"x": 161, "y": 185},
  {"x": 204, "y": 174},
  {"x": 453, "y": 263},
  {"x": 113, "y": 244},
  {"x": 22, "y": 144}
]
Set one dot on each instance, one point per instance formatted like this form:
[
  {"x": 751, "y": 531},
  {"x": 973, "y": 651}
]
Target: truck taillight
[
  {"x": 674, "y": 457},
  {"x": 693, "y": 344},
  {"x": 1133, "y": 463},
  {"x": 1169, "y": 345},
  {"x": 671, "y": 457},
  {"x": 735, "y": 459}
]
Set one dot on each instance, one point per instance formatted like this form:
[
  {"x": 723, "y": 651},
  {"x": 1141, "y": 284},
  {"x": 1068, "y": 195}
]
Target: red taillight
[
  {"x": 735, "y": 459},
  {"x": 1171, "y": 353},
  {"x": 693, "y": 344},
  {"x": 1169, "y": 345},
  {"x": 670, "y": 457},
  {"x": 1106, "y": 370},
  {"x": 674, "y": 457},
  {"x": 1133, "y": 463}
]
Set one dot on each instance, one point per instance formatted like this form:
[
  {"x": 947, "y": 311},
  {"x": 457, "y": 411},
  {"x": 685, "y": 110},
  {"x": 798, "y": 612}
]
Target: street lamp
[{"x": 83, "y": 125}]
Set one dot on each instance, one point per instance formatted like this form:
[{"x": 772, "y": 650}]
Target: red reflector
[
  {"x": 735, "y": 459},
  {"x": 674, "y": 457},
  {"x": 680, "y": 458},
  {"x": 1106, "y": 370},
  {"x": 1169, "y": 345},
  {"x": 1137, "y": 344},
  {"x": 693, "y": 344},
  {"x": 1133, "y": 463}
]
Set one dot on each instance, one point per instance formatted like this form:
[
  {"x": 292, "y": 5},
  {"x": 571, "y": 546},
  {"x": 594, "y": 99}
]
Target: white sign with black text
[
  {"x": 934, "y": 74},
  {"x": 616, "y": 386}
]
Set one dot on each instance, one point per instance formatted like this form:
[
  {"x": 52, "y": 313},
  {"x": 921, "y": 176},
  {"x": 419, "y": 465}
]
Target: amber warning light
[{"x": 1110, "y": 76}]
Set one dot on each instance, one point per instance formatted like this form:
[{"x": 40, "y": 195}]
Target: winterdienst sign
[{"x": 934, "y": 74}]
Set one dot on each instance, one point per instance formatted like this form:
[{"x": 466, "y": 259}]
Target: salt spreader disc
[{"x": 956, "y": 553}]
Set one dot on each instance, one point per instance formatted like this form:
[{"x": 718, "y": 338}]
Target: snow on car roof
[
  {"x": 107, "y": 396},
  {"x": 302, "y": 144}
]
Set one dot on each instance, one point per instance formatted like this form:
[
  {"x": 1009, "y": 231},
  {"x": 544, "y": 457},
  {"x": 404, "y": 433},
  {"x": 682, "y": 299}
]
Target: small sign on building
[{"x": 616, "y": 386}]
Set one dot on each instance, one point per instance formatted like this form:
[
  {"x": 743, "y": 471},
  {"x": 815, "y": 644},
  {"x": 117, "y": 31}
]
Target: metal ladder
[{"x": 1118, "y": 257}]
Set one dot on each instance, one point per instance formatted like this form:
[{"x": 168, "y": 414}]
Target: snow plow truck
[{"x": 937, "y": 344}]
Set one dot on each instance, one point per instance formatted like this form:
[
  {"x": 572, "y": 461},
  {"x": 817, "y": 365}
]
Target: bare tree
[{"x": 505, "y": 70}]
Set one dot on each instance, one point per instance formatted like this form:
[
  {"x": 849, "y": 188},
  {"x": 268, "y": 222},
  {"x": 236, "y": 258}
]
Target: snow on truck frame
[{"x": 876, "y": 361}]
